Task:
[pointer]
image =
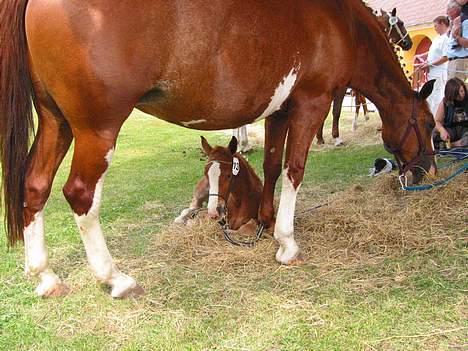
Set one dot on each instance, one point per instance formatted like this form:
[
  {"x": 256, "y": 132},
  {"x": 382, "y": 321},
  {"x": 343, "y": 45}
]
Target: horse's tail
[{"x": 16, "y": 122}]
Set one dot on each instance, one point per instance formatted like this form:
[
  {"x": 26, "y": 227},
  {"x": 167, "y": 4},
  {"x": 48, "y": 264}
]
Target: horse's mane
[{"x": 358, "y": 8}]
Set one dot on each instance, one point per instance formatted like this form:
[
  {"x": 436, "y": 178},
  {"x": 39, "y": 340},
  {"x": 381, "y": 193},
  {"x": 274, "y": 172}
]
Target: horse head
[
  {"x": 407, "y": 134},
  {"x": 395, "y": 29},
  {"x": 221, "y": 168}
]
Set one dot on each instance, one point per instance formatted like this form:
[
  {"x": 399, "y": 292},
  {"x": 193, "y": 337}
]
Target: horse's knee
[
  {"x": 295, "y": 174},
  {"x": 78, "y": 195}
]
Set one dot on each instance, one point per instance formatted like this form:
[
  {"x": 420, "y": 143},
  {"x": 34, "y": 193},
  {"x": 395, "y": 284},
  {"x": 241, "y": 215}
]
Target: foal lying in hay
[
  {"x": 230, "y": 186},
  {"x": 363, "y": 224}
]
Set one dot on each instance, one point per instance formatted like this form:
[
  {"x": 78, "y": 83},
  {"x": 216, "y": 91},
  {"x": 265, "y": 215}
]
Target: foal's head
[
  {"x": 395, "y": 29},
  {"x": 221, "y": 168}
]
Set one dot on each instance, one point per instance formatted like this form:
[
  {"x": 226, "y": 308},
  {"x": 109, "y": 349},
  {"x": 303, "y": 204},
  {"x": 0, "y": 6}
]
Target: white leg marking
[
  {"x": 281, "y": 93},
  {"x": 213, "y": 177},
  {"x": 36, "y": 259},
  {"x": 284, "y": 227},
  {"x": 184, "y": 215},
  {"x": 338, "y": 142},
  {"x": 97, "y": 252}
]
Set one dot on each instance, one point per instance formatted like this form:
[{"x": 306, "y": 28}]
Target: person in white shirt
[{"x": 437, "y": 62}]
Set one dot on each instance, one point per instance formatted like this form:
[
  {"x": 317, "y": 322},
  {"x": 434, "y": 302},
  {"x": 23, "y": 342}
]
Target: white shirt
[{"x": 437, "y": 50}]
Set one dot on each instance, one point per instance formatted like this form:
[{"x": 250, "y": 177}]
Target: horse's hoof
[
  {"x": 320, "y": 142},
  {"x": 339, "y": 142},
  {"x": 56, "y": 290},
  {"x": 125, "y": 286},
  {"x": 289, "y": 254},
  {"x": 134, "y": 291}
]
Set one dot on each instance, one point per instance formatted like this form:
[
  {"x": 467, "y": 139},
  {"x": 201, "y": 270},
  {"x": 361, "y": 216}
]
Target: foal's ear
[
  {"x": 233, "y": 145},
  {"x": 206, "y": 147},
  {"x": 426, "y": 90},
  {"x": 383, "y": 12},
  {"x": 394, "y": 12}
]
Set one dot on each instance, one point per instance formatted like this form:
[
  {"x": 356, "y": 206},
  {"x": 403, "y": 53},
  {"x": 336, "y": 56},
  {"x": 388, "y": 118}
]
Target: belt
[{"x": 457, "y": 58}]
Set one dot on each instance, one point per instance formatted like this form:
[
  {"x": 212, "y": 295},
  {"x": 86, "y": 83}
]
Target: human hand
[{"x": 444, "y": 135}]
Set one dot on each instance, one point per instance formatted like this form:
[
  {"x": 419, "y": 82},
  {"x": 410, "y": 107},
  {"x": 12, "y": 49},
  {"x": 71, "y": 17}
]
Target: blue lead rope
[{"x": 441, "y": 182}]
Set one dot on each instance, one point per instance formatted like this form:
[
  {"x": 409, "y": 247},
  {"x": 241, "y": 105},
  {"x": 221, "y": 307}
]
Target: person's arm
[
  {"x": 439, "y": 122},
  {"x": 437, "y": 62},
  {"x": 461, "y": 40}
]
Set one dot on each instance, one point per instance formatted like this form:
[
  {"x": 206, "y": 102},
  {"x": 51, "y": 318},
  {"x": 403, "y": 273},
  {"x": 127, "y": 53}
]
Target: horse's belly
[{"x": 230, "y": 105}]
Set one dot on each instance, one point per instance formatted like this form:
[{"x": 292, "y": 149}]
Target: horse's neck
[
  {"x": 378, "y": 74},
  {"x": 244, "y": 184}
]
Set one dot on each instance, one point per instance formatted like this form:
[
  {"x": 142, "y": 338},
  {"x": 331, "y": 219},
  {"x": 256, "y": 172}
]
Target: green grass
[{"x": 416, "y": 301}]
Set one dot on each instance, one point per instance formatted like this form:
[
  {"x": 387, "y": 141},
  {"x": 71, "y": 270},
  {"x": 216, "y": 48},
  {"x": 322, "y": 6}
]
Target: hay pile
[{"x": 362, "y": 223}]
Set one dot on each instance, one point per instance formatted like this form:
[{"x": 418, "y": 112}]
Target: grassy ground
[{"x": 415, "y": 300}]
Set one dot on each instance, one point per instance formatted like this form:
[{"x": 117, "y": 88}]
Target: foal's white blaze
[
  {"x": 281, "y": 93},
  {"x": 284, "y": 227},
  {"x": 213, "y": 177},
  {"x": 36, "y": 259},
  {"x": 98, "y": 255}
]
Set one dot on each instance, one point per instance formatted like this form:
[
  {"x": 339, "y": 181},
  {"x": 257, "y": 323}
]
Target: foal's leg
[
  {"x": 336, "y": 111},
  {"x": 50, "y": 146},
  {"x": 276, "y": 127},
  {"x": 306, "y": 116},
  {"x": 200, "y": 195},
  {"x": 83, "y": 190}
]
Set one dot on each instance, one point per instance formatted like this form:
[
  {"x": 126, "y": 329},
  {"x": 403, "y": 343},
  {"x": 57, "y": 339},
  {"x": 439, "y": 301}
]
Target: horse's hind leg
[
  {"x": 364, "y": 106},
  {"x": 357, "y": 104},
  {"x": 200, "y": 195},
  {"x": 50, "y": 146},
  {"x": 83, "y": 190},
  {"x": 336, "y": 111}
]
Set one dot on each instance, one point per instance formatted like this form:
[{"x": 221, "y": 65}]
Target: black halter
[
  {"x": 404, "y": 166},
  {"x": 224, "y": 221}
]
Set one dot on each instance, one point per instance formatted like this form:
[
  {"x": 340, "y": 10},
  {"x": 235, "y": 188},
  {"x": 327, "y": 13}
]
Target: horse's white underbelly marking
[
  {"x": 189, "y": 123},
  {"x": 281, "y": 93},
  {"x": 213, "y": 177}
]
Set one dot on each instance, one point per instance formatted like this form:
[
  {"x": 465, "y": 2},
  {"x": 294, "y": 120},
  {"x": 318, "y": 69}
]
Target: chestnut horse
[
  {"x": 202, "y": 64},
  {"x": 398, "y": 35},
  {"x": 229, "y": 182}
]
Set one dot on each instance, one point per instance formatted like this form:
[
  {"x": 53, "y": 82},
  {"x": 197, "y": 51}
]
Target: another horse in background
[
  {"x": 201, "y": 64},
  {"x": 395, "y": 29},
  {"x": 230, "y": 185}
]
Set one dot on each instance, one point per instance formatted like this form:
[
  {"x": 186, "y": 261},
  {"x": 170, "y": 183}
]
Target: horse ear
[
  {"x": 426, "y": 90},
  {"x": 206, "y": 147},
  {"x": 394, "y": 12},
  {"x": 383, "y": 12},
  {"x": 233, "y": 145}
]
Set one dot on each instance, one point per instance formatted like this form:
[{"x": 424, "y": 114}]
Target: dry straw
[{"x": 363, "y": 223}]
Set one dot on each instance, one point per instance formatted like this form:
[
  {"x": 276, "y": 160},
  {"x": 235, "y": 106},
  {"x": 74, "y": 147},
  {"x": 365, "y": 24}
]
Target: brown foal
[{"x": 229, "y": 183}]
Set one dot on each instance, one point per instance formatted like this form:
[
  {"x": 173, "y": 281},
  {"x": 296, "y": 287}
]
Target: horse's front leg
[
  {"x": 305, "y": 117},
  {"x": 83, "y": 190},
  {"x": 276, "y": 127},
  {"x": 50, "y": 146},
  {"x": 200, "y": 195}
]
